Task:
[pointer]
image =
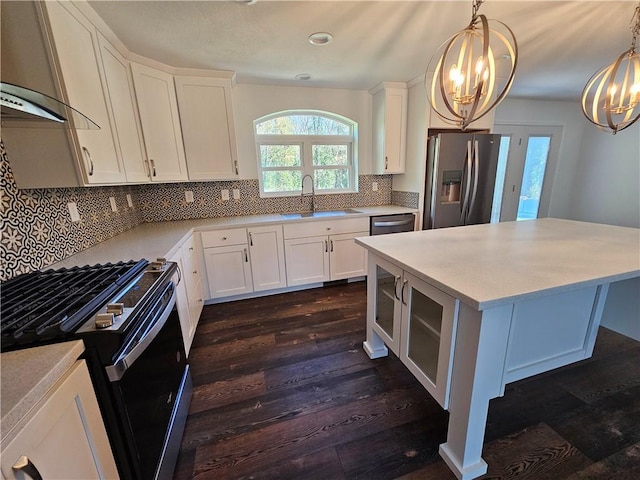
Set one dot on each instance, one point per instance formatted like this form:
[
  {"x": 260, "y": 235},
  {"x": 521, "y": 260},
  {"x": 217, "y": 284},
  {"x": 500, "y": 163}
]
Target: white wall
[
  {"x": 254, "y": 101},
  {"x": 607, "y": 188}
]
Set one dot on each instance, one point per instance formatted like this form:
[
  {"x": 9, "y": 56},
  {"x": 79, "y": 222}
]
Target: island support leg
[
  {"x": 479, "y": 359},
  {"x": 374, "y": 346}
]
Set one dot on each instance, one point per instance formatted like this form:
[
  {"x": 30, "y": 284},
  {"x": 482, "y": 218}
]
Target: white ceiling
[{"x": 562, "y": 43}]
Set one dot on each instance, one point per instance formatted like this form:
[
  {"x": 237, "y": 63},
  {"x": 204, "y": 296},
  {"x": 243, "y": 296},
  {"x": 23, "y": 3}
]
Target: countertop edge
[
  {"x": 488, "y": 301},
  {"x": 27, "y": 376},
  {"x": 152, "y": 240}
]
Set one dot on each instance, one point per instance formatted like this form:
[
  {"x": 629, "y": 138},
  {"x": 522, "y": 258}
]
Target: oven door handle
[{"x": 116, "y": 371}]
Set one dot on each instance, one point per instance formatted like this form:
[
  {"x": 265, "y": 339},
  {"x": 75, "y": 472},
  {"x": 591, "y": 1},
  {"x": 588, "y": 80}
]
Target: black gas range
[{"x": 125, "y": 313}]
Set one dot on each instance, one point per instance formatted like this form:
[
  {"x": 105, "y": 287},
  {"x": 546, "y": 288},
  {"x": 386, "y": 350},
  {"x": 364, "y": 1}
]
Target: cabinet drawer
[
  {"x": 220, "y": 238},
  {"x": 325, "y": 227}
]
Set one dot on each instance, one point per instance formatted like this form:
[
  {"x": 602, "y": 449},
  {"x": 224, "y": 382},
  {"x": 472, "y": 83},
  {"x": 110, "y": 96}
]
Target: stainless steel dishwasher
[{"x": 400, "y": 222}]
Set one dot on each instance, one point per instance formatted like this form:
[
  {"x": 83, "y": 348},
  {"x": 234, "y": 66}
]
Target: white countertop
[
  {"x": 27, "y": 375},
  {"x": 495, "y": 264},
  {"x": 155, "y": 240}
]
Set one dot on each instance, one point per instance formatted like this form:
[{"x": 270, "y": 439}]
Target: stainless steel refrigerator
[{"x": 460, "y": 179}]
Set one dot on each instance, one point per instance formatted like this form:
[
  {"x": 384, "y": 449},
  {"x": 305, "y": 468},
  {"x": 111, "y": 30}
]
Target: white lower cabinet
[
  {"x": 417, "y": 322},
  {"x": 63, "y": 436},
  {"x": 189, "y": 288},
  {"x": 228, "y": 270},
  {"x": 266, "y": 249},
  {"x": 240, "y": 261},
  {"x": 226, "y": 256},
  {"x": 347, "y": 259},
  {"x": 307, "y": 260},
  {"x": 325, "y": 250},
  {"x": 244, "y": 260}
]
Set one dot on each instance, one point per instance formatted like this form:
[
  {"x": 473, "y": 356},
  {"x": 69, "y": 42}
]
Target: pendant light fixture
[
  {"x": 466, "y": 83},
  {"x": 611, "y": 98}
]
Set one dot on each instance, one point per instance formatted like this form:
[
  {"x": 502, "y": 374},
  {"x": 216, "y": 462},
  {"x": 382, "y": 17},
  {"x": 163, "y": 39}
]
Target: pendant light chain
[
  {"x": 635, "y": 29},
  {"x": 474, "y": 10}
]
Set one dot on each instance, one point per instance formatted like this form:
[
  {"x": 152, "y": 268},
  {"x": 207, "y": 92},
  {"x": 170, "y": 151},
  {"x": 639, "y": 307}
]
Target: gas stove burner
[{"x": 46, "y": 305}]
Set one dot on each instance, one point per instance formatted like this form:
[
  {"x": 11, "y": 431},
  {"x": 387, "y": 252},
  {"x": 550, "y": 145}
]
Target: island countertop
[{"x": 494, "y": 264}]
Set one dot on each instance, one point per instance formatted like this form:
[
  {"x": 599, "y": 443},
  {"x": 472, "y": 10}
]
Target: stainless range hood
[{"x": 27, "y": 107}]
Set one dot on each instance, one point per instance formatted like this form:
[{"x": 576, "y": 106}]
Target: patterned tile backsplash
[
  {"x": 167, "y": 201},
  {"x": 36, "y": 228},
  {"x": 37, "y": 231},
  {"x": 405, "y": 199}
]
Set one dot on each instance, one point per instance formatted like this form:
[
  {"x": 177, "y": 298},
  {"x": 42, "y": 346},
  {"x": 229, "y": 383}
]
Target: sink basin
[{"x": 326, "y": 213}]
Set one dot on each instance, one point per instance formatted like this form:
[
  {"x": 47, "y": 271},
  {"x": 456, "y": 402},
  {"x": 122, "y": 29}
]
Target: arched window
[{"x": 296, "y": 143}]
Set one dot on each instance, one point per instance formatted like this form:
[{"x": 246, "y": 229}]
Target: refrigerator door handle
[
  {"x": 466, "y": 176},
  {"x": 476, "y": 168}
]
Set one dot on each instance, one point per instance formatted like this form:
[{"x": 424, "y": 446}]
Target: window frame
[{"x": 306, "y": 143}]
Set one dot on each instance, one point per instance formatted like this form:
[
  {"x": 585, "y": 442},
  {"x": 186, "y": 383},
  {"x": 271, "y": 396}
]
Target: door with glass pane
[
  {"x": 526, "y": 164},
  {"x": 388, "y": 306},
  {"x": 429, "y": 319}
]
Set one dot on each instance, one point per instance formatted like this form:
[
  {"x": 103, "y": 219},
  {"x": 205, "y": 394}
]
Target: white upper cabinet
[
  {"x": 53, "y": 48},
  {"x": 76, "y": 48},
  {"x": 389, "y": 127},
  {"x": 208, "y": 129},
  {"x": 161, "y": 130},
  {"x": 125, "y": 114}
]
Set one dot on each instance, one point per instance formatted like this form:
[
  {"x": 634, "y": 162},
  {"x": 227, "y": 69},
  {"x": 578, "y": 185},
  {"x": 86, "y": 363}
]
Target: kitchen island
[{"x": 471, "y": 309}]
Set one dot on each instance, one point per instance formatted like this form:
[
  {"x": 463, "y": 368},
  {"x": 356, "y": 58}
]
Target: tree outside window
[{"x": 293, "y": 144}]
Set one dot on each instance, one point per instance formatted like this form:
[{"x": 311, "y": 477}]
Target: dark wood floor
[{"x": 283, "y": 390}]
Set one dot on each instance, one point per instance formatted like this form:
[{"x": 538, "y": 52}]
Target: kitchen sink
[{"x": 325, "y": 213}]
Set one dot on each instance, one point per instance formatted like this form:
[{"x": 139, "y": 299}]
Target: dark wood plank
[
  {"x": 251, "y": 452},
  {"x": 623, "y": 465},
  {"x": 604, "y": 427},
  {"x": 283, "y": 390}
]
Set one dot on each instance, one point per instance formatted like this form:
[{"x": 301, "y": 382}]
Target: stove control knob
[
  {"x": 104, "y": 320},
  {"x": 115, "y": 308},
  {"x": 159, "y": 264}
]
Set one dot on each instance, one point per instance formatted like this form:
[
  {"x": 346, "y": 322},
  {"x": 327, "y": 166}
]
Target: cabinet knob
[
  {"x": 195, "y": 272},
  {"x": 25, "y": 465},
  {"x": 224, "y": 238}
]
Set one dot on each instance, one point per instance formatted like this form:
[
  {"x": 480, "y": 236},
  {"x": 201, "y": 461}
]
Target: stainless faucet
[{"x": 313, "y": 193}]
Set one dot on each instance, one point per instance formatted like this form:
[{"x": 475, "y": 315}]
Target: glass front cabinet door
[
  {"x": 388, "y": 306},
  {"x": 428, "y": 325}
]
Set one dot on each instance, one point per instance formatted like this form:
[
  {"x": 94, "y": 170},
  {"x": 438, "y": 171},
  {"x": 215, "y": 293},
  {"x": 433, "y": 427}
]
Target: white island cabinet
[{"x": 471, "y": 309}]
